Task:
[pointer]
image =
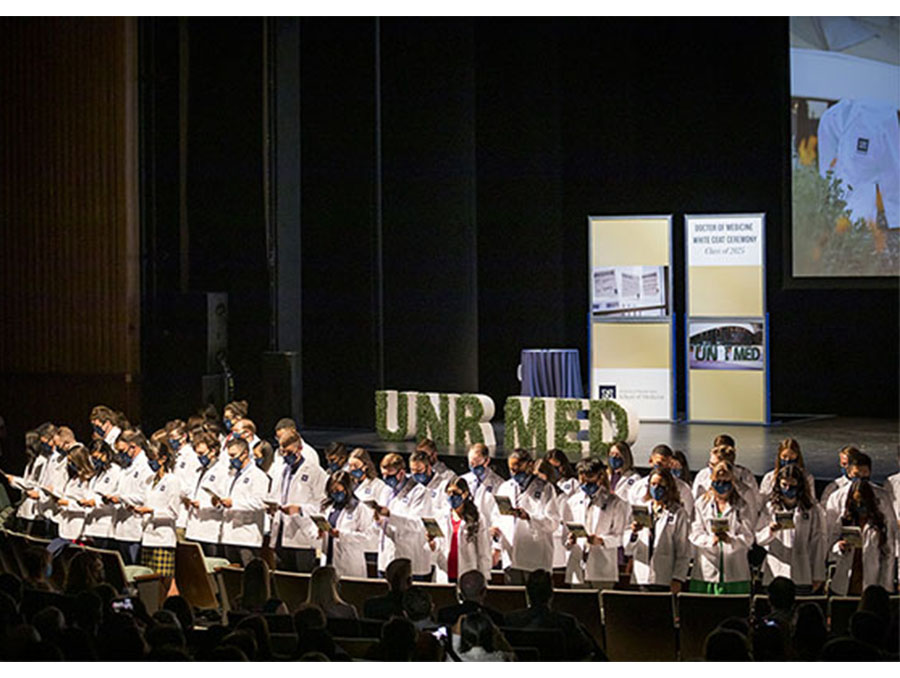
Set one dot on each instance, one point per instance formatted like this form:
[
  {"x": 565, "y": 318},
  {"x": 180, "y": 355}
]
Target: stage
[{"x": 820, "y": 438}]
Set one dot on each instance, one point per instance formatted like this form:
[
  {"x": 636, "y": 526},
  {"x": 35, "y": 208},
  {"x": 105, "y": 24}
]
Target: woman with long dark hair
[
  {"x": 466, "y": 544},
  {"x": 160, "y": 512},
  {"x": 350, "y": 527}
]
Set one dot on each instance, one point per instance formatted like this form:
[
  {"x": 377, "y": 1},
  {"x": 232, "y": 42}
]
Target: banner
[
  {"x": 725, "y": 241},
  {"x": 636, "y": 291},
  {"x": 726, "y": 345}
]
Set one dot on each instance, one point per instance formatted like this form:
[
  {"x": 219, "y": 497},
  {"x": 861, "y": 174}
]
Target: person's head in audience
[
  {"x": 88, "y": 612},
  {"x": 726, "y": 645},
  {"x": 846, "y": 649},
  {"x": 420, "y": 467},
  {"x": 520, "y": 463},
  {"x": 868, "y": 627},
  {"x": 259, "y": 627},
  {"x": 722, "y": 483},
  {"x": 398, "y": 640},
  {"x": 539, "y": 588},
  {"x": 476, "y": 630},
  {"x": 50, "y": 623},
  {"x": 782, "y": 593},
  {"x": 165, "y": 618},
  {"x": 244, "y": 641},
  {"x": 810, "y": 632},
  {"x": 739, "y": 624},
  {"x": 20, "y": 643},
  {"x": 122, "y": 639},
  {"x": 180, "y": 607},
  {"x": 620, "y": 458},
  {"x": 559, "y": 461},
  {"x": 107, "y": 593},
  {"x": 165, "y": 636},
  {"x": 592, "y": 477},
  {"x": 479, "y": 458},
  {"x": 236, "y": 409},
  {"x": 9, "y": 613},
  {"x": 309, "y": 617},
  {"x": 393, "y": 470},
  {"x": 875, "y": 599},
  {"x": 662, "y": 490},
  {"x": 84, "y": 573},
  {"x": 323, "y": 588},
  {"x": 361, "y": 466},
  {"x": 768, "y": 642},
  {"x": 283, "y": 426},
  {"x": 399, "y": 575},
  {"x": 429, "y": 447},
  {"x": 419, "y": 607},
  {"x": 472, "y": 586},
  {"x": 255, "y": 585},
  {"x": 12, "y": 586},
  {"x": 680, "y": 467},
  {"x": 206, "y": 446},
  {"x": 336, "y": 455},
  {"x": 661, "y": 457},
  {"x": 428, "y": 649}
]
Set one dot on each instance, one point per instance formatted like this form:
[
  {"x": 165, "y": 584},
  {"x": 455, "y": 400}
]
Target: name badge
[
  {"x": 162, "y": 488},
  {"x": 433, "y": 494},
  {"x": 631, "y": 481},
  {"x": 182, "y": 465},
  {"x": 537, "y": 495},
  {"x": 135, "y": 474},
  {"x": 490, "y": 488},
  {"x": 405, "y": 500},
  {"x": 246, "y": 480},
  {"x": 106, "y": 480},
  {"x": 304, "y": 477},
  {"x": 211, "y": 478}
]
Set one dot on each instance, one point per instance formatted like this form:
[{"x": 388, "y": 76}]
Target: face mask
[
  {"x": 722, "y": 486},
  {"x": 153, "y": 464},
  {"x": 616, "y": 463},
  {"x": 236, "y": 463},
  {"x": 290, "y": 459},
  {"x": 338, "y": 498},
  {"x": 174, "y": 444},
  {"x": 456, "y": 500},
  {"x": 655, "y": 468},
  {"x": 204, "y": 460},
  {"x": 789, "y": 492},
  {"x": 657, "y": 492},
  {"x": 73, "y": 470},
  {"x": 676, "y": 472},
  {"x": 46, "y": 448},
  {"x": 332, "y": 467},
  {"x": 124, "y": 459},
  {"x": 788, "y": 462},
  {"x": 392, "y": 481},
  {"x": 98, "y": 463},
  {"x": 521, "y": 477},
  {"x": 259, "y": 461},
  {"x": 228, "y": 424},
  {"x": 98, "y": 430},
  {"x": 590, "y": 489},
  {"x": 844, "y": 471},
  {"x": 357, "y": 473},
  {"x": 478, "y": 471},
  {"x": 422, "y": 478}
]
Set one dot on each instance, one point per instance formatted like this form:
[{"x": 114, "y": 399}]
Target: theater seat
[
  {"x": 700, "y": 614},
  {"x": 357, "y": 591},
  {"x": 840, "y": 609},
  {"x": 631, "y": 617},
  {"x": 229, "y": 580},
  {"x": 359, "y": 648},
  {"x": 290, "y": 587},
  {"x": 442, "y": 595},
  {"x": 550, "y": 643},
  {"x": 584, "y": 605},
  {"x": 114, "y": 570},
  {"x": 192, "y": 578},
  {"x": 505, "y": 598},
  {"x": 283, "y": 644}
]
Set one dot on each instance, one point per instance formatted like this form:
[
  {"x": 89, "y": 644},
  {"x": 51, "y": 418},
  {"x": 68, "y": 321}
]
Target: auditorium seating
[
  {"x": 442, "y": 595},
  {"x": 506, "y": 598},
  {"x": 229, "y": 581},
  {"x": 192, "y": 578},
  {"x": 550, "y": 643},
  {"x": 359, "y": 648},
  {"x": 113, "y": 568},
  {"x": 631, "y": 617},
  {"x": 292, "y": 588},
  {"x": 584, "y": 605},
  {"x": 283, "y": 644},
  {"x": 840, "y": 609},
  {"x": 356, "y": 590},
  {"x": 699, "y": 614}
]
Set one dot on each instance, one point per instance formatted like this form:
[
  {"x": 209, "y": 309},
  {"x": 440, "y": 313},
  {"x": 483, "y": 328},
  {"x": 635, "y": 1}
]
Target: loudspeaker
[{"x": 281, "y": 390}]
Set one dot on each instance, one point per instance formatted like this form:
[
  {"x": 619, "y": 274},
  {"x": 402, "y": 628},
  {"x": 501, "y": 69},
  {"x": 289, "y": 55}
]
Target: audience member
[
  {"x": 399, "y": 579},
  {"x": 259, "y": 627},
  {"x": 471, "y": 590},
  {"x": 726, "y": 645},
  {"x": 398, "y": 640},
  {"x": 479, "y": 640},
  {"x": 323, "y": 591},
  {"x": 419, "y": 608},
  {"x": 810, "y": 632}
]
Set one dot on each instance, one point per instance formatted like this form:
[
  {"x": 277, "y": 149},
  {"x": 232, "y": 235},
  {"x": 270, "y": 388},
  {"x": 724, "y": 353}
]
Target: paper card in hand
[
  {"x": 718, "y": 525},
  {"x": 641, "y": 516},
  {"x": 577, "y": 529},
  {"x": 322, "y": 523},
  {"x": 504, "y": 505},
  {"x": 212, "y": 494},
  {"x": 852, "y": 535},
  {"x": 271, "y": 504},
  {"x": 432, "y": 528},
  {"x": 371, "y": 503},
  {"x": 785, "y": 519},
  {"x": 51, "y": 493}
]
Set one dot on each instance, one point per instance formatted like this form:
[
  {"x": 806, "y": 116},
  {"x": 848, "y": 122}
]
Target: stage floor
[{"x": 820, "y": 439}]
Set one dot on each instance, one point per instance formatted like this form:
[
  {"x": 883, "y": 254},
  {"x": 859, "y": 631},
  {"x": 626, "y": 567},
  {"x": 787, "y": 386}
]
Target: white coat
[
  {"x": 832, "y": 487},
  {"x": 768, "y": 482},
  {"x": 132, "y": 490},
  {"x": 28, "y": 508},
  {"x": 402, "y": 534},
  {"x": 445, "y": 474},
  {"x": 71, "y": 516},
  {"x": 372, "y": 489},
  {"x": 604, "y": 515},
  {"x": 186, "y": 466},
  {"x": 639, "y": 494},
  {"x": 528, "y": 544},
  {"x": 112, "y": 436},
  {"x": 798, "y": 554},
  {"x": 473, "y": 554},
  {"x": 54, "y": 476},
  {"x": 164, "y": 497},
  {"x": 205, "y": 523},
  {"x": 834, "y": 507},
  {"x": 877, "y": 562},
  {"x": 671, "y": 549},
  {"x": 560, "y": 555},
  {"x": 99, "y": 523},
  {"x": 482, "y": 491},
  {"x": 243, "y": 523},
  {"x": 430, "y": 501},
  {"x": 304, "y": 487},
  {"x": 733, "y": 555},
  {"x": 355, "y": 527},
  {"x": 625, "y": 484}
]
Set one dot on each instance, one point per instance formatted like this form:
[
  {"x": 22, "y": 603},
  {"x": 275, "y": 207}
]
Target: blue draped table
[{"x": 551, "y": 373}]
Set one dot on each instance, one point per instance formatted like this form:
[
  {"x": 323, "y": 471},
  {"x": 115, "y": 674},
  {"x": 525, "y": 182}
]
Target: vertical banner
[
  {"x": 727, "y": 323},
  {"x": 631, "y": 330}
]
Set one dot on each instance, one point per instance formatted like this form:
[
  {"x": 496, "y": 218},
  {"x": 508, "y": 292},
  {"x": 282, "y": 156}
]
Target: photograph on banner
[
  {"x": 728, "y": 240},
  {"x": 845, "y": 146},
  {"x": 726, "y": 345},
  {"x": 630, "y": 291}
]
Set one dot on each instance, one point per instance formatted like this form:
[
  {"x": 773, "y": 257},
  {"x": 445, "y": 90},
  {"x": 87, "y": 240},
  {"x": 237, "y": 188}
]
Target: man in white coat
[
  {"x": 402, "y": 534},
  {"x": 42, "y": 450},
  {"x": 859, "y": 469},
  {"x": 294, "y": 496},
  {"x": 525, "y": 537},
  {"x": 131, "y": 490},
  {"x": 440, "y": 469},
  {"x": 244, "y": 506},
  {"x": 204, "y": 524},
  {"x": 481, "y": 479}
]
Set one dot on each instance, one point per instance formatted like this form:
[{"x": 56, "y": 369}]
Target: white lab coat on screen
[
  {"x": 733, "y": 554},
  {"x": 473, "y": 554},
  {"x": 164, "y": 497},
  {"x": 186, "y": 466},
  {"x": 132, "y": 490},
  {"x": 528, "y": 544},
  {"x": 639, "y": 494},
  {"x": 798, "y": 554},
  {"x": 99, "y": 522},
  {"x": 603, "y": 515},
  {"x": 372, "y": 489},
  {"x": 402, "y": 534},
  {"x": 305, "y": 488},
  {"x": 205, "y": 523},
  {"x": 671, "y": 549},
  {"x": 625, "y": 484},
  {"x": 242, "y": 524},
  {"x": 877, "y": 562},
  {"x": 71, "y": 516},
  {"x": 28, "y": 509},
  {"x": 355, "y": 526},
  {"x": 768, "y": 482}
]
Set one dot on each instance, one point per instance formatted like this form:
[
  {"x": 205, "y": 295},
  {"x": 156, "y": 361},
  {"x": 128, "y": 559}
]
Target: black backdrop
[{"x": 433, "y": 252}]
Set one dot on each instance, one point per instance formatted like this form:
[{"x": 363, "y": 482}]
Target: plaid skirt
[{"x": 159, "y": 559}]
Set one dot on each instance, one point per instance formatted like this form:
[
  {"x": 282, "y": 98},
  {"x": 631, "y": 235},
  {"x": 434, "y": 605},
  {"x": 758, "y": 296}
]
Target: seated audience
[
  {"x": 419, "y": 608},
  {"x": 471, "y": 589},
  {"x": 399, "y": 580},
  {"x": 323, "y": 591}
]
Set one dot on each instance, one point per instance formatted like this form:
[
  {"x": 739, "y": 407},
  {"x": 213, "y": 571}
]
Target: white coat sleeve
[
  {"x": 817, "y": 543},
  {"x": 253, "y": 500},
  {"x": 700, "y": 535},
  {"x": 613, "y": 538},
  {"x": 764, "y": 535},
  {"x": 682, "y": 547}
]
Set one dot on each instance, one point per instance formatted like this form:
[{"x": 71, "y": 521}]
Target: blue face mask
[
  {"x": 73, "y": 470},
  {"x": 236, "y": 463},
  {"x": 98, "y": 463},
  {"x": 722, "y": 486},
  {"x": 615, "y": 463},
  {"x": 423, "y": 478},
  {"x": 789, "y": 492},
  {"x": 357, "y": 473},
  {"x": 392, "y": 481},
  {"x": 259, "y": 461},
  {"x": 479, "y": 471},
  {"x": 174, "y": 444},
  {"x": 844, "y": 471},
  {"x": 676, "y": 472},
  {"x": 204, "y": 460},
  {"x": 290, "y": 459},
  {"x": 124, "y": 459},
  {"x": 456, "y": 500},
  {"x": 656, "y": 468},
  {"x": 46, "y": 448},
  {"x": 657, "y": 492},
  {"x": 228, "y": 424},
  {"x": 332, "y": 467},
  {"x": 338, "y": 498},
  {"x": 590, "y": 489},
  {"x": 522, "y": 478},
  {"x": 788, "y": 462},
  {"x": 98, "y": 430},
  {"x": 153, "y": 464}
]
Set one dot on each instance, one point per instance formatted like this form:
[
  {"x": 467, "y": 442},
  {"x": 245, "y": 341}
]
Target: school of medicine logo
[{"x": 607, "y": 392}]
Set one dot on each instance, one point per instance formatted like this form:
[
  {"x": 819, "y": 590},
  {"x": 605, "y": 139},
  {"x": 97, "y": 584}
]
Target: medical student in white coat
[
  {"x": 104, "y": 425},
  {"x": 244, "y": 504},
  {"x": 742, "y": 474},
  {"x": 186, "y": 468},
  {"x": 160, "y": 515},
  {"x": 844, "y": 455},
  {"x": 135, "y": 476},
  {"x": 873, "y": 563},
  {"x": 401, "y": 532},
  {"x": 72, "y": 511},
  {"x": 55, "y": 475},
  {"x": 797, "y": 552},
  {"x": 788, "y": 454},
  {"x": 98, "y": 526},
  {"x": 343, "y": 545},
  {"x": 439, "y": 468},
  {"x": 293, "y": 497},
  {"x": 620, "y": 470},
  {"x": 593, "y": 561},
  {"x": 549, "y": 473},
  {"x": 38, "y": 452},
  {"x": 429, "y": 499},
  {"x": 368, "y": 487},
  {"x": 661, "y": 552},
  {"x": 720, "y": 553},
  {"x": 204, "y": 524},
  {"x": 661, "y": 458},
  {"x": 747, "y": 489},
  {"x": 482, "y": 480},
  {"x": 566, "y": 476},
  {"x": 859, "y": 468},
  {"x": 466, "y": 544},
  {"x": 526, "y": 537}
]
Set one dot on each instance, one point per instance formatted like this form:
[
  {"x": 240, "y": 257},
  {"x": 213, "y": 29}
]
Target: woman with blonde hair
[
  {"x": 323, "y": 591},
  {"x": 721, "y": 534},
  {"x": 788, "y": 454}
]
